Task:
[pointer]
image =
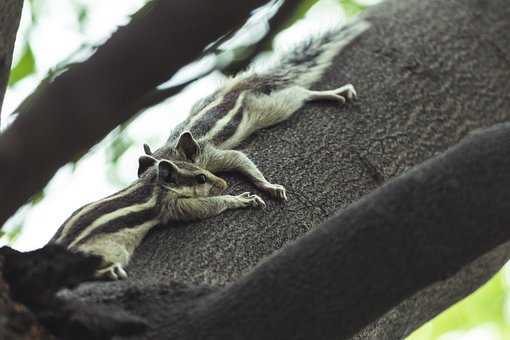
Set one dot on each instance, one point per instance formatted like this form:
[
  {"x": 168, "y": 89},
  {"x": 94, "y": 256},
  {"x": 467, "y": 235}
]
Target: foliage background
[{"x": 55, "y": 33}]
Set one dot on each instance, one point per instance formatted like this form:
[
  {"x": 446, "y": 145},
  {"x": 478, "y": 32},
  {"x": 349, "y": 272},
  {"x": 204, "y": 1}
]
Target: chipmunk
[
  {"x": 114, "y": 226},
  {"x": 177, "y": 181},
  {"x": 253, "y": 100}
]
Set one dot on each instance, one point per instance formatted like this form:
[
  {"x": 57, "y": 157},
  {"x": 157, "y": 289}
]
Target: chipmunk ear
[
  {"x": 145, "y": 162},
  {"x": 147, "y": 149},
  {"x": 167, "y": 171},
  {"x": 188, "y": 146}
]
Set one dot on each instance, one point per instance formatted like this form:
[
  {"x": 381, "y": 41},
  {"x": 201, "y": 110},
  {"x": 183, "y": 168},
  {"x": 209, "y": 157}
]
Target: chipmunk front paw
[
  {"x": 249, "y": 200},
  {"x": 276, "y": 190}
]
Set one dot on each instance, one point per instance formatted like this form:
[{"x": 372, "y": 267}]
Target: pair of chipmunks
[{"x": 178, "y": 183}]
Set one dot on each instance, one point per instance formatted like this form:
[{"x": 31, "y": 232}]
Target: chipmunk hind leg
[
  {"x": 264, "y": 110},
  {"x": 114, "y": 271},
  {"x": 115, "y": 258},
  {"x": 268, "y": 110},
  {"x": 341, "y": 94},
  {"x": 278, "y": 106}
]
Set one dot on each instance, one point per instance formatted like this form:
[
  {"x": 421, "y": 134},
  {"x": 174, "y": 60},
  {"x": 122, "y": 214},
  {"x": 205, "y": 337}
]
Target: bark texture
[
  {"x": 10, "y": 14},
  {"x": 427, "y": 73},
  {"x": 32, "y": 280}
]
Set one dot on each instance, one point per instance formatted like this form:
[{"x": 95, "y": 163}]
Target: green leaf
[
  {"x": 118, "y": 147},
  {"x": 300, "y": 12},
  {"x": 83, "y": 15},
  {"x": 36, "y": 198},
  {"x": 83, "y": 12},
  {"x": 12, "y": 234},
  {"x": 484, "y": 306},
  {"x": 24, "y": 67},
  {"x": 113, "y": 176},
  {"x": 351, "y": 7},
  {"x": 35, "y": 9}
]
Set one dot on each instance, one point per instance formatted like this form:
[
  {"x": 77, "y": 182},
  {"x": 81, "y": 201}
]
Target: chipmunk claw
[
  {"x": 113, "y": 272},
  {"x": 347, "y": 91},
  {"x": 276, "y": 190},
  {"x": 250, "y": 200}
]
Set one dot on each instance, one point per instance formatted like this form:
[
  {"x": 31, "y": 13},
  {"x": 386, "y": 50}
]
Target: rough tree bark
[
  {"x": 428, "y": 72},
  {"x": 10, "y": 14}
]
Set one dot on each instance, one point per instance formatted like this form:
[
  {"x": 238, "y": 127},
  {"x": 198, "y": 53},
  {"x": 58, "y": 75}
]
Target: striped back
[
  {"x": 216, "y": 118},
  {"x": 129, "y": 207}
]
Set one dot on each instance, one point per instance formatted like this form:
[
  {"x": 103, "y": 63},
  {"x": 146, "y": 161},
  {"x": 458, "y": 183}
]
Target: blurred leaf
[
  {"x": 74, "y": 165},
  {"x": 483, "y": 306},
  {"x": 35, "y": 8},
  {"x": 351, "y": 7},
  {"x": 120, "y": 144},
  {"x": 75, "y": 159},
  {"x": 112, "y": 174},
  {"x": 24, "y": 67},
  {"x": 118, "y": 147},
  {"x": 300, "y": 12},
  {"x": 37, "y": 197},
  {"x": 11, "y": 235},
  {"x": 83, "y": 14}
]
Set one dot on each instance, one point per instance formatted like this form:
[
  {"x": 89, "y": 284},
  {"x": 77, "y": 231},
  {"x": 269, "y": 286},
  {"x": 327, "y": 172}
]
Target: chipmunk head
[{"x": 183, "y": 179}]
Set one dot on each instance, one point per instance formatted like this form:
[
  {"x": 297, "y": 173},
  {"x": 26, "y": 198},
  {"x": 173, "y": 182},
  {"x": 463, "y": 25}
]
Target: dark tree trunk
[{"x": 10, "y": 14}]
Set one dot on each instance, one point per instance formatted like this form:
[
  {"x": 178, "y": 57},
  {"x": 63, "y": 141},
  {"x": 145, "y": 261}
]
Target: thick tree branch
[
  {"x": 10, "y": 14},
  {"x": 414, "y": 231},
  {"x": 84, "y": 103}
]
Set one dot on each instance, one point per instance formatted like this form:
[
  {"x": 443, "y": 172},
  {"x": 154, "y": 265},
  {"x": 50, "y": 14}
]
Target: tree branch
[
  {"x": 10, "y": 14},
  {"x": 84, "y": 103}
]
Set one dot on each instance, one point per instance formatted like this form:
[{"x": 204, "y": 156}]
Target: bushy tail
[{"x": 305, "y": 63}]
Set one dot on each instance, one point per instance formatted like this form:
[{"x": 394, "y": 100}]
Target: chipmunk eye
[{"x": 201, "y": 178}]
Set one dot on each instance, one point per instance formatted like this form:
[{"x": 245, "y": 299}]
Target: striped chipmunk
[
  {"x": 255, "y": 99},
  {"x": 178, "y": 183},
  {"x": 169, "y": 191}
]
